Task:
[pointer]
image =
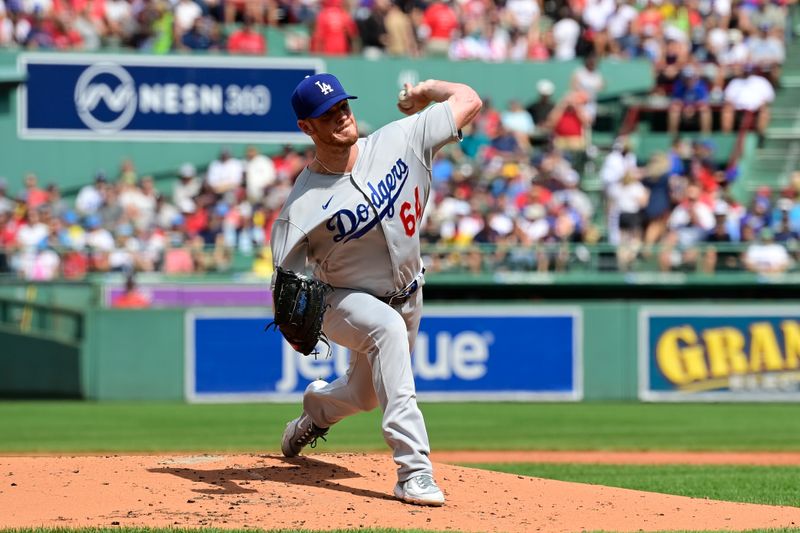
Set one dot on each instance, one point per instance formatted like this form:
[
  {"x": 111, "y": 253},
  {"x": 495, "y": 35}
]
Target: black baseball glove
[{"x": 299, "y": 306}]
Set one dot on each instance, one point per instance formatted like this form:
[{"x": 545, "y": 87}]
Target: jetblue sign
[
  {"x": 108, "y": 97},
  {"x": 489, "y": 353}
]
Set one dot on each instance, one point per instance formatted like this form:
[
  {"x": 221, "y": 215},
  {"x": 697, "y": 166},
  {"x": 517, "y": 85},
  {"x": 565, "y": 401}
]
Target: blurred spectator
[
  {"x": 767, "y": 52},
  {"x": 372, "y": 28},
  {"x": 630, "y": 198},
  {"x": 570, "y": 121},
  {"x": 690, "y": 99},
  {"x": 519, "y": 123},
  {"x": 751, "y": 93},
  {"x": 57, "y": 206},
  {"x": 400, "y": 37},
  {"x": 6, "y": 205},
  {"x": 588, "y": 80},
  {"x": 688, "y": 225},
  {"x": 438, "y": 28},
  {"x": 225, "y": 173},
  {"x": 565, "y": 35},
  {"x": 723, "y": 259},
  {"x": 200, "y": 36},
  {"x": 541, "y": 108},
  {"x": 259, "y": 174},
  {"x": 766, "y": 256},
  {"x": 187, "y": 12},
  {"x": 91, "y": 197},
  {"x": 34, "y": 196},
  {"x": 247, "y": 40},
  {"x": 186, "y": 188},
  {"x": 32, "y": 232},
  {"x": 132, "y": 297},
  {"x": 334, "y": 31},
  {"x": 657, "y": 211}
]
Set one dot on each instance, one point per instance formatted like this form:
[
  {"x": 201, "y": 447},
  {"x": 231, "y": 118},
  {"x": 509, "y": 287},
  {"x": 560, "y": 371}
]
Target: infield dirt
[{"x": 329, "y": 491}]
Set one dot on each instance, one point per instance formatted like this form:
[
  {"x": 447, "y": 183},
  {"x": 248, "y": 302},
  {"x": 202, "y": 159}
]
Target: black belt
[{"x": 402, "y": 296}]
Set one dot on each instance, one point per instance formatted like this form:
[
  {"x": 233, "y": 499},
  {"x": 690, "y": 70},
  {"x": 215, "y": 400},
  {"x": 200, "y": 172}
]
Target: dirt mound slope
[{"x": 329, "y": 491}]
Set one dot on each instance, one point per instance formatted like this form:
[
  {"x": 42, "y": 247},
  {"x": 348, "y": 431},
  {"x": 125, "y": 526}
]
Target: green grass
[
  {"x": 127, "y": 427},
  {"x": 771, "y": 485}
]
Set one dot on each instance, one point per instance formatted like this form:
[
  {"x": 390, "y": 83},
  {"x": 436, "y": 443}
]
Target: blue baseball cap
[{"x": 316, "y": 94}]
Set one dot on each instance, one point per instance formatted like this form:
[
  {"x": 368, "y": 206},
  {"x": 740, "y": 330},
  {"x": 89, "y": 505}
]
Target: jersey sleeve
[
  {"x": 433, "y": 128},
  {"x": 289, "y": 246}
]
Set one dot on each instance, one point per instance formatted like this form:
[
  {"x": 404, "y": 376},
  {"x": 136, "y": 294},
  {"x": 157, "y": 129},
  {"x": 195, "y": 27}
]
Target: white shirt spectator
[
  {"x": 767, "y": 257},
  {"x": 565, "y": 34},
  {"x": 22, "y": 30},
  {"x": 524, "y": 12},
  {"x": 186, "y": 12},
  {"x": 767, "y": 51},
  {"x": 42, "y": 266},
  {"x": 6, "y": 205},
  {"x": 118, "y": 11},
  {"x": 261, "y": 174},
  {"x": 681, "y": 216},
  {"x": 615, "y": 166},
  {"x": 100, "y": 239},
  {"x": 518, "y": 121},
  {"x": 619, "y": 23},
  {"x": 89, "y": 200},
  {"x": 225, "y": 175},
  {"x": 750, "y": 93},
  {"x": 717, "y": 41},
  {"x": 501, "y": 223},
  {"x": 628, "y": 198},
  {"x": 736, "y": 54},
  {"x": 6, "y": 28},
  {"x": 30, "y": 235},
  {"x": 722, "y": 7},
  {"x": 42, "y": 7},
  {"x": 597, "y": 13},
  {"x": 468, "y": 227}
]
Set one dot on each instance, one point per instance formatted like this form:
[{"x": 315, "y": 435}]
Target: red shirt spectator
[
  {"x": 130, "y": 301},
  {"x": 196, "y": 222},
  {"x": 96, "y": 9},
  {"x": 441, "y": 20},
  {"x": 569, "y": 125},
  {"x": 247, "y": 41},
  {"x": 75, "y": 265},
  {"x": 334, "y": 30}
]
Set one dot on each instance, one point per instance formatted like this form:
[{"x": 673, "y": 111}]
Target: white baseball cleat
[
  {"x": 302, "y": 431},
  {"x": 420, "y": 490}
]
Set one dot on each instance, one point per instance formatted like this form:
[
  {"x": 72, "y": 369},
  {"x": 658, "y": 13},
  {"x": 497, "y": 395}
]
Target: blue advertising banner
[
  {"x": 151, "y": 98},
  {"x": 730, "y": 353},
  {"x": 489, "y": 353}
]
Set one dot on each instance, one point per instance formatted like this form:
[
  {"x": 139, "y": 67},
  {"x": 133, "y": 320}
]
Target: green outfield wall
[
  {"x": 73, "y": 163},
  {"x": 623, "y": 350},
  {"x": 33, "y": 365}
]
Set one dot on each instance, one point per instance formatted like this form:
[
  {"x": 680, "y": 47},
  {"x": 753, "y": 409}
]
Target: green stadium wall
[
  {"x": 74, "y": 163},
  {"x": 140, "y": 354},
  {"x": 33, "y": 365}
]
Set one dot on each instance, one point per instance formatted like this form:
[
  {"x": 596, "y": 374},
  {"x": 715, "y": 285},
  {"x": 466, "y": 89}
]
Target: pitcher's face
[{"x": 337, "y": 127}]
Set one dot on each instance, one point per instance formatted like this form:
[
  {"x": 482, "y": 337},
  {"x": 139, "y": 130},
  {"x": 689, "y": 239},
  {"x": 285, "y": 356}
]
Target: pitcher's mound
[{"x": 331, "y": 491}]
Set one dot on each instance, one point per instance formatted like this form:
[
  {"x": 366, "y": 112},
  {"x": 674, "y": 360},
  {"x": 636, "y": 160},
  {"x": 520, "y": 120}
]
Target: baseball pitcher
[{"x": 348, "y": 267}]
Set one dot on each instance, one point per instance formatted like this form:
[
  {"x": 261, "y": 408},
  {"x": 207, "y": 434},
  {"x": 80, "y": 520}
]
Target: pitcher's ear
[{"x": 305, "y": 127}]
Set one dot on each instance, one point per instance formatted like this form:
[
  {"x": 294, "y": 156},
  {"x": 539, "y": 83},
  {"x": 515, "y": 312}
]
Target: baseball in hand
[{"x": 403, "y": 101}]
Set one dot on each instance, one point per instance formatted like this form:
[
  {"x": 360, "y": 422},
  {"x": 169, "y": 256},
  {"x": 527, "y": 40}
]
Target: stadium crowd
[
  {"x": 672, "y": 33},
  {"x": 676, "y": 210},
  {"x": 518, "y": 181}
]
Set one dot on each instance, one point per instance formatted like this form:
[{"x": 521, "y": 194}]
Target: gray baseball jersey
[{"x": 359, "y": 232}]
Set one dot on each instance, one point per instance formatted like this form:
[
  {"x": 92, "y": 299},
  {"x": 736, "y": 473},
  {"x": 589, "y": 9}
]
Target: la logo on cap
[{"x": 324, "y": 87}]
